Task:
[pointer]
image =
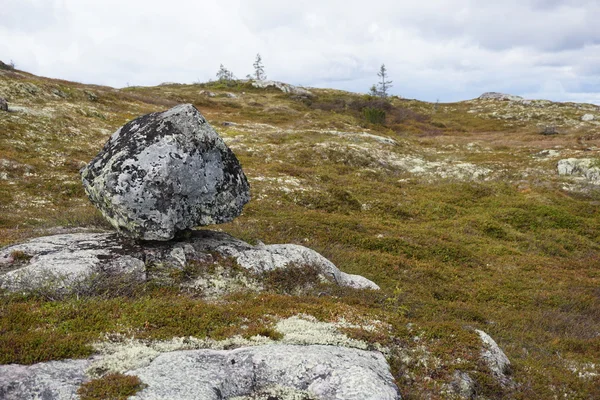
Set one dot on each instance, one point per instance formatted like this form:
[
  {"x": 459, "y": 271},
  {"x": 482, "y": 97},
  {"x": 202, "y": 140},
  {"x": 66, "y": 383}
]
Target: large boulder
[{"x": 166, "y": 172}]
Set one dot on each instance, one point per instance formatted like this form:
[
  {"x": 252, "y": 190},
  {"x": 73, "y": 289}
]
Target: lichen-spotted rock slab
[
  {"x": 62, "y": 262},
  {"x": 166, "y": 172},
  {"x": 325, "y": 372},
  {"x": 67, "y": 261},
  {"x": 54, "y": 380}
]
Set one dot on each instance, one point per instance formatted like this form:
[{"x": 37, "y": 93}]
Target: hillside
[{"x": 456, "y": 210}]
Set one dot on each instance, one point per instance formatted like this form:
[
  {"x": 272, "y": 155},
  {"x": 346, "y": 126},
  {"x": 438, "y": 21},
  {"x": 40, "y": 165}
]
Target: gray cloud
[{"x": 446, "y": 49}]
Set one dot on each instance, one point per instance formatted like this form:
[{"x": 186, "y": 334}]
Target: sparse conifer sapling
[{"x": 259, "y": 69}]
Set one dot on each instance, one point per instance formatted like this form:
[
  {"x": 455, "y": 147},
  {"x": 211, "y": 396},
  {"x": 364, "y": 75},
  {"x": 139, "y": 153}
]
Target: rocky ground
[{"x": 477, "y": 220}]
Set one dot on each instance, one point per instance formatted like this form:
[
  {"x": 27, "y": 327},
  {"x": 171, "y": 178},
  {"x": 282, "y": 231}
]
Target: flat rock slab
[
  {"x": 324, "y": 372},
  {"x": 54, "y": 380},
  {"x": 328, "y": 373},
  {"x": 166, "y": 172},
  {"x": 64, "y": 260}
]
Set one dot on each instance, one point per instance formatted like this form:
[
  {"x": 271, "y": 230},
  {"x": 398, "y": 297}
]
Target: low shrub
[{"x": 111, "y": 387}]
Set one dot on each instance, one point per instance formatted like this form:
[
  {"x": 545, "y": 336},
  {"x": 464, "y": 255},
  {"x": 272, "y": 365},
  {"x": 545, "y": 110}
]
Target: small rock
[
  {"x": 207, "y": 93},
  {"x": 229, "y": 123},
  {"x": 587, "y": 118},
  {"x": 230, "y": 95},
  {"x": 463, "y": 385},
  {"x": 496, "y": 360},
  {"x": 548, "y": 153},
  {"x": 166, "y": 172},
  {"x": 3, "y": 104}
]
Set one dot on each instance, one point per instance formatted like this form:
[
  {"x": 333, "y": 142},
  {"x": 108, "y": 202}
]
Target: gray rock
[
  {"x": 321, "y": 372},
  {"x": 60, "y": 262},
  {"x": 587, "y": 118},
  {"x": 284, "y": 87},
  {"x": 585, "y": 168},
  {"x": 66, "y": 260},
  {"x": 326, "y": 372},
  {"x": 499, "y": 96},
  {"x": 54, "y": 380},
  {"x": 207, "y": 93},
  {"x": 166, "y": 172},
  {"x": 3, "y": 104},
  {"x": 495, "y": 359},
  {"x": 463, "y": 385}
]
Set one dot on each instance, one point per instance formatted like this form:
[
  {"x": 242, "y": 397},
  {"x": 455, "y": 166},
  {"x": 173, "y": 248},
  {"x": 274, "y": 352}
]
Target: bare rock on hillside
[
  {"x": 284, "y": 87},
  {"x": 584, "y": 168},
  {"x": 54, "y": 380},
  {"x": 3, "y": 104},
  {"x": 499, "y": 96},
  {"x": 326, "y": 372},
  {"x": 587, "y": 117},
  {"x": 66, "y": 261},
  {"x": 496, "y": 360},
  {"x": 60, "y": 262},
  {"x": 314, "y": 372},
  {"x": 166, "y": 172}
]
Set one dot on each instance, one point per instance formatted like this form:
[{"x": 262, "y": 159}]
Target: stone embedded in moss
[{"x": 166, "y": 172}]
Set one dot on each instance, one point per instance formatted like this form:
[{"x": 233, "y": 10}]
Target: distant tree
[
  {"x": 12, "y": 64},
  {"x": 383, "y": 86},
  {"x": 224, "y": 75},
  {"x": 373, "y": 91},
  {"x": 259, "y": 69}
]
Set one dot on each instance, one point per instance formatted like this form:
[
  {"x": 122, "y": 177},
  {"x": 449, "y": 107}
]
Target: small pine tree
[
  {"x": 383, "y": 85},
  {"x": 259, "y": 69},
  {"x": 224, "y": 75},
  {"x": 373, "y": 91}
]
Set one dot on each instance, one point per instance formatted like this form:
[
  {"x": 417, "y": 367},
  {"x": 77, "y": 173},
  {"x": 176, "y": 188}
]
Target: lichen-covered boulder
[{"x": 166, "y": 172}]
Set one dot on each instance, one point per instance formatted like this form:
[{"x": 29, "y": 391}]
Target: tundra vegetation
[{"x": 455, "y": 209}]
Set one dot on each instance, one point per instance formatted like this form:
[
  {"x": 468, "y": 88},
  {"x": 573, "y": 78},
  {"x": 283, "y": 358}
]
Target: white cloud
[{"x": 446, "y": 49}]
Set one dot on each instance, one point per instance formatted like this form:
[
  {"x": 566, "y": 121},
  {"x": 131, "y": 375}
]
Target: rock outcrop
[
  {"x": 284, "y": 87},
  {"x": 499, "y": 96},
  {"x": 54, "y": 380},
  {"x": 322, "y": 372},
  {"x": 3, "y": 104},
  {"x": 587, "y": 117},
  {"x": 166, "y": 172},
  {"x": 69, "y": 260},
  {"x": 583, "y": 168}
]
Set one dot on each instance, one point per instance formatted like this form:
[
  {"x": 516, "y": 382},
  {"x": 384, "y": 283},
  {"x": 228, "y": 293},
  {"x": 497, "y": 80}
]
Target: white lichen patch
[
  {"x": 366, "y": 155},
  {"x": 279, "y": 393},
  {"x": 222, "y": 281},
  {"x": 305, "y": 329},
  {"x": 584, "y": 370},
  {"x": 286, "y": 184},
  {"x": 119, "y": 353}
]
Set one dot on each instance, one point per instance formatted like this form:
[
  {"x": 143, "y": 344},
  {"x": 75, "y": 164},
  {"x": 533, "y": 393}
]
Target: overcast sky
[{"x": 433, "y": 49}]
